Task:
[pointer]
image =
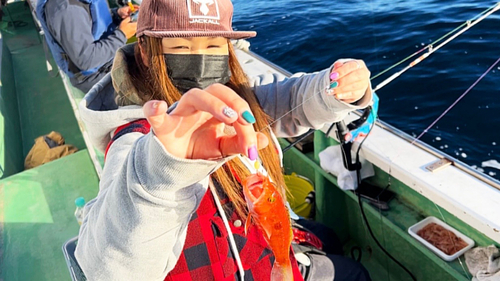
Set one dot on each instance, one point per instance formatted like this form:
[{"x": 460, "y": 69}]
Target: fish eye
[{"x": 271, "y": 199}]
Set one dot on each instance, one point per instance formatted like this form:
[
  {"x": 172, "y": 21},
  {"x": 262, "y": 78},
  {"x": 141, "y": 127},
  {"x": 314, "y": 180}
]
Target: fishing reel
[{"x": 355, "y": 131}]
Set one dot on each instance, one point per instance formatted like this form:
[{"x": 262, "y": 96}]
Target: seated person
[
  {"x": 83, "y": 36},
  {"x": 170, "y": 205}
]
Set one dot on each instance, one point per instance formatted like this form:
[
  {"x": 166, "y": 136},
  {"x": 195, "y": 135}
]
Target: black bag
[{"x": 313, "y": 262}]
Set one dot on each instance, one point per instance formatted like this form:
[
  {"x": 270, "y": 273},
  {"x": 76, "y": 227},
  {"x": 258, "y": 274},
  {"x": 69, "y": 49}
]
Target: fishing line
[
  {"x": 327, "y": 134},
  {"x": 372, "y": 8},
  {"x": 456, "y": 101},
  {"x": 385, "y": 241},
  {"x": 360, "y": 203},
  {"x": 431, "y": 49},
  {"x": 363, "y": 218},
  {"x": 290, "y": 111},
  {"x": 230, "y": 235}
]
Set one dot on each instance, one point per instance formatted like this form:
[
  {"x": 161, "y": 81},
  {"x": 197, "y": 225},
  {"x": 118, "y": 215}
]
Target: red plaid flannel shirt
[{"x": 207, "y": 254}]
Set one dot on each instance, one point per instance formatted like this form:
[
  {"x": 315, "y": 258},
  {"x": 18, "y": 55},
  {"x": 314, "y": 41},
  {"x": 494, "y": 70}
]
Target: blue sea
[{"x": 309, "y": 35}]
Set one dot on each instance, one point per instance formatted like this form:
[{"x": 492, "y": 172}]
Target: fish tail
[{"x": 282, "y": 272}]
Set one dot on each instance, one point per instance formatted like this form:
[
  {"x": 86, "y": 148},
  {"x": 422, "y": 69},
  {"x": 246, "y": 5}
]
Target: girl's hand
[
  {"x": 349, "y": 80},
  {"x": 195, "y": 128}
]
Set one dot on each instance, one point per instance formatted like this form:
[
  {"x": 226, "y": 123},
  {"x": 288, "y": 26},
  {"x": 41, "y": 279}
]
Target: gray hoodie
[{"x": 136, "y": 226}]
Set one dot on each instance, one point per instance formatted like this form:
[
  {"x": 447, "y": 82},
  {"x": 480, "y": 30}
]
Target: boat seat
[{"x": 68, "y": 249}]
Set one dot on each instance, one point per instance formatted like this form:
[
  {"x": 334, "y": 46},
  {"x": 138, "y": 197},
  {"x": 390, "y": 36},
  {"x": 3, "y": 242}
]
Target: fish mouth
[{"x": 255, "y": 188}]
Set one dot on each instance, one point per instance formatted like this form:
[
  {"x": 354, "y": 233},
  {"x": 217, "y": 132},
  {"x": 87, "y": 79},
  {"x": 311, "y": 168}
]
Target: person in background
[
  {"x": 171, "y": 117},
  {"x": 83, "y": 36}
]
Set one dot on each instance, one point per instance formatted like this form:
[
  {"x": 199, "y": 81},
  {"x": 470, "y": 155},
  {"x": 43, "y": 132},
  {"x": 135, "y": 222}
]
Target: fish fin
[
  {"x": 282, "y": 272},
  {"x": 247, "y": 223}
]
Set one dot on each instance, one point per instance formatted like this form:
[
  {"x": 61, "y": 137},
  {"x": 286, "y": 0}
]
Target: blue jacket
[{"x": 82, "y": 37}]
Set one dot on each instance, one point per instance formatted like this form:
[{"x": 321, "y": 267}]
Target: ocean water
[{"x": 309, "y": 35}]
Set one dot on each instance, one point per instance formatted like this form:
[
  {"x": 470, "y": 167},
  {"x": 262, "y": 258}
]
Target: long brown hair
[{"x": 152, "y": 81}]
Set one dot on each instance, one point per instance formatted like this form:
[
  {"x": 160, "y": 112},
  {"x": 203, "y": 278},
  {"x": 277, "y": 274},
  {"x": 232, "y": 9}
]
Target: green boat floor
[
  {"x": 42, "y": 100},
  {"x": 37, "y": 208}
]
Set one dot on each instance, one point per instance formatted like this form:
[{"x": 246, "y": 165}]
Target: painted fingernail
[
  {"x": 252, "y": 153},
  {"x": 334, "y": 76},
  {"x": 334, "y": 84},
  {"x": 248, "y": 117},
  {"x": 229, "y": 112}
]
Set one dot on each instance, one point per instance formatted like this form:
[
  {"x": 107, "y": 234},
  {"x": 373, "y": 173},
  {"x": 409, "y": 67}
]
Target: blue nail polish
[
  {"x": 334, "y": 84},
  {"x": 248, "y": 117}
]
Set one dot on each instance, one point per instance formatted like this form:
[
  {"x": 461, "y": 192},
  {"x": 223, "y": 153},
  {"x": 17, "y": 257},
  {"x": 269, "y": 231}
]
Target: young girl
[{"x": 172, "y": 115}]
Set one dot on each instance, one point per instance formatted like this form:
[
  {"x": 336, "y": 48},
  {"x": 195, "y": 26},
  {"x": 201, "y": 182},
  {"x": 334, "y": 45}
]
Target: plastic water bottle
[{"x": 79, "y": 202}]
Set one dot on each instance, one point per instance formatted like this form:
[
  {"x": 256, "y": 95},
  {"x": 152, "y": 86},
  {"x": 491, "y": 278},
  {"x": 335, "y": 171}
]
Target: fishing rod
[
  {"x": 431, "y": 49},
  {"x": 461, "y": 29},
  {"x": 357, "y": 165},
  {"x": 431, "y": 44}
]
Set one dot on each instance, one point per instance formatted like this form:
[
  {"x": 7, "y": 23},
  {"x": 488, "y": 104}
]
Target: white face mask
[{"x": 197, "y": 71}]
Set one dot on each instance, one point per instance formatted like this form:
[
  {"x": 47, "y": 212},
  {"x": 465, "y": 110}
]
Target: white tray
[{"x": 416, "y": 227}]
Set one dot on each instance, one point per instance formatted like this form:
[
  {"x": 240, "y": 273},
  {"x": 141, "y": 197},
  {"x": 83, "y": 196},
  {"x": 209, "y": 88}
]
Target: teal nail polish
[
  {"x": 334, "y": 84},
  {"x": 248, "y": 117}
]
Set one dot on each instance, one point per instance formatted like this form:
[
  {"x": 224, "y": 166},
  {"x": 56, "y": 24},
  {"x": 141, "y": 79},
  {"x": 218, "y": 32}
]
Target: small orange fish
[{"x": 269, "y": 212}]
